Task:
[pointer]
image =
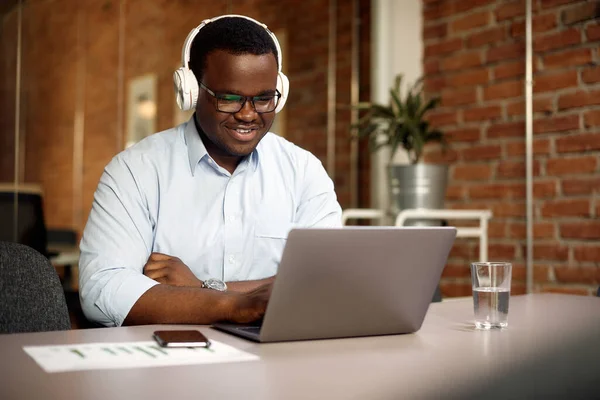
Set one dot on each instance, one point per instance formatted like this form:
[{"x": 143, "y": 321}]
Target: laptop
[{"x": 352, "y": 281}]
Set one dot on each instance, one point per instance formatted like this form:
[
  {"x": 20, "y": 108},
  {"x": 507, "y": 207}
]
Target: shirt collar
[
  {"x": 197, "y": 150},
  {"x": 195, "y": 146}
]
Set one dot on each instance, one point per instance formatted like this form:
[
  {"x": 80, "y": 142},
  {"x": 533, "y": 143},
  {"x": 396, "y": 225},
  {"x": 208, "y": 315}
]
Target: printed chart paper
[{"x": 78, "y": 357}]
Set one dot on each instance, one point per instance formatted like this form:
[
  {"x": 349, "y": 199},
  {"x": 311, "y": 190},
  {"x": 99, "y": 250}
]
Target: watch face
[{"x": 215, "y": 284}]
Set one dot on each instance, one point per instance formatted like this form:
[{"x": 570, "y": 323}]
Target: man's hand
[
  {"x": 251, "y": 306},
  {"x": 170, "y": 270}
]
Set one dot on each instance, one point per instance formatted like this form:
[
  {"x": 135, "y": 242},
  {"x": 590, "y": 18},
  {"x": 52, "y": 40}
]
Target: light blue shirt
[{"x": 167, "y": 195}]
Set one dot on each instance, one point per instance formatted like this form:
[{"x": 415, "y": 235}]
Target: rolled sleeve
[{"x": 116, "y": 243}]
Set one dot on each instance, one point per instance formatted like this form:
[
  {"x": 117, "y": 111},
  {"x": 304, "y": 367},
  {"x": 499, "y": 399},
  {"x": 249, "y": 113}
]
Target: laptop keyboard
[{"x": 250, "y": 329}]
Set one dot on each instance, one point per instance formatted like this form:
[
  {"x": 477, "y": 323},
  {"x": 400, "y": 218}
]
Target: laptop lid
[{"x": 355, "y": 281}]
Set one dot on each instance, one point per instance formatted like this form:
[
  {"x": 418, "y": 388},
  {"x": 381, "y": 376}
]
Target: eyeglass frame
[{"x": 242, "y": 104}]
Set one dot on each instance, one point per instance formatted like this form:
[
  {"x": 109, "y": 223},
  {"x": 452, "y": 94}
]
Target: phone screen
[{"x": 181, "y": 338}]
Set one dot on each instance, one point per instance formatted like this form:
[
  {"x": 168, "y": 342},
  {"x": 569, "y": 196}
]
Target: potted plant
[{"x": 402, "y": 124}]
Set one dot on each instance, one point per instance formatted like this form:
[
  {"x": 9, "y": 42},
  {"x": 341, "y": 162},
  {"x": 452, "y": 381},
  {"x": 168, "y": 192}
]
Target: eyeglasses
[{"x": 233, "y": 103}]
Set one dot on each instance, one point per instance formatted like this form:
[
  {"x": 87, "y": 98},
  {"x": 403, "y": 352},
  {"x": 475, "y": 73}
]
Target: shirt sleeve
[
  {"x": 116, "y": 243},
  {"x": 318, "y": 206}
]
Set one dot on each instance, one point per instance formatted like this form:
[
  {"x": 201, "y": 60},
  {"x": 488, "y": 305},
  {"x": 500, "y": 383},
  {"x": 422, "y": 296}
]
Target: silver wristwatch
[{"x": 214, "y": 284}]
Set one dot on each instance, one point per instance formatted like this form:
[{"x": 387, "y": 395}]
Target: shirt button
[
  {"x": 232, "y": 218},
  {"x": 231, "y": 259}
]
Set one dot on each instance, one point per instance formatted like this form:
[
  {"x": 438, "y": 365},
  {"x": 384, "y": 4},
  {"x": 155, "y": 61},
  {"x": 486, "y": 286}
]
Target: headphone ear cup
[
  {"x": 186, "y": 88},
  {"x": 283, "y": 85}
]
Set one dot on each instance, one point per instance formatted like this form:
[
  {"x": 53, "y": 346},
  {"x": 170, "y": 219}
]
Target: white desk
[{"x": 447, "y": 358}]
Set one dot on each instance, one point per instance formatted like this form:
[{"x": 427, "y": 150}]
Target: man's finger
[
  {"x": 154, "y": 265},
  {"x": 157, "y": 274},
  {"x": 159, "y": 257}
]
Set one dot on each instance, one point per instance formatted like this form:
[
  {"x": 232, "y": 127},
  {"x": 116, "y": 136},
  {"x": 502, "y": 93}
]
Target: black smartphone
[{"x": 181, "y": 338}]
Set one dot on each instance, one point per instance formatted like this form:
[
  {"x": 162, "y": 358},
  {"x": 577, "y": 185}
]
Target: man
[{"x": 188, "y": 226}]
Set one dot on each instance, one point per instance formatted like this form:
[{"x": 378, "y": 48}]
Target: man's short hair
[{"x": 232, "y": 34}]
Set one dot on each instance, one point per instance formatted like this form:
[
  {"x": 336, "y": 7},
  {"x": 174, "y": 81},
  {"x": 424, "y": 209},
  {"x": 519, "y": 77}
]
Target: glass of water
[{"x": 491, "y": 292}]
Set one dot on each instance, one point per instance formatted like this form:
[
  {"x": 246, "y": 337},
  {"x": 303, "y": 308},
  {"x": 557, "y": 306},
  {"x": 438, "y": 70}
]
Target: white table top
[{"x": 447, "y": 358}]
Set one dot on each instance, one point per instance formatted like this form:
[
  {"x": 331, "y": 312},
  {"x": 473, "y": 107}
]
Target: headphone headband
[
  {"x": 186, "y": 85},
  {"x": 187, "y": 47}
]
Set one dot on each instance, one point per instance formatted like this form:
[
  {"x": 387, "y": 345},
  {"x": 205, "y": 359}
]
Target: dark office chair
[
  {"x": 30, "y": 225},
  {"x": 31, "y": 296}
]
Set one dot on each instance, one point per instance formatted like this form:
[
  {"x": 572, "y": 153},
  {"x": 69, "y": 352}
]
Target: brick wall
[
  {"x": 62, "y": 38},
  {"x": 474, "y": 60}
]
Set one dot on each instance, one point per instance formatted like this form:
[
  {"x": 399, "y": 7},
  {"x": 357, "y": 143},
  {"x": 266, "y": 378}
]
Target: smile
[{"x": 243, "y": 134}]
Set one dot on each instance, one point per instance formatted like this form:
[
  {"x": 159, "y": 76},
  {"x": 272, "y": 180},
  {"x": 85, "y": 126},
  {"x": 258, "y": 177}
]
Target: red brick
[
  {"x": 554, "y": 3},
  {"x": 454, "y": 289},
  {"x": 506, "y": 52},
  {"x": 470, "y": 21},
  {"x": 441, "y": 118},
  {"x": 434, "y": 83},
  {"x": 472, "y": 172},
  {"x": 510, "y": 10},
  {"x": 484, "y": 113},
  {"x": 482, "y": 152},
  {"x": 466, "y": 5},
  {"x": 581, "y": 12},
  {"x": 496, "y": 229},
  {"x": 454, "y": 192},
  {"x": 585, "y": 230},
  {"x": 593, "y": 32},
  {"x": 431, "y": 67},
  {"x": 554, "y": 81},
  {"x": 544, "y": 189},
  {"x": 514, "y": 169},
  {"x": 463, "y": 135},
  {"x": 573, "y": 165},
  {"x": 592, "y": 118},
  {"x": 539, "y": 23},
  {"x": 591, "y": 75},
  {"x": 498, "y": 251},
  {"x": 541, "y": 273},
  {"x": 556, "y": 124},
  {"x": 578, "y": 186},
  {"x": 444, "y": 47},
  {"x": 568, "y": 58},
  {"x": 578, "y": 143},
  {"x": 457, "y": 271},
  {"x": 462, "y": 249},
  {"x": 509, "y": 70},
  {"x": 541, "y": 230},
  {"x": 469, "y": 78},
  {"x": 586, "y": 275},
  {"x": 509, "y": 210},
  {"x": 556, "y": 40},
  {"x": 461, "y": 61},
  {"x": 503, "y": 90},
  {"x": 506, "y": 129},
  {"x": 587, "y": 253},
  {"x": 579, "y": 99},
  {"x": 566, "y": 208},
  {"x": 540, "y": 147},
  {"x": 437, "y": 31},
  {"x": 497, "y": 191},
  {"x": 549, "y": 251},
  {"x": 567, "y": 290},
  {"x": 540, "y": 104},
  {"x": 457, "y": 97},
  {"x": 438, "y": 10},
  {"x": 493, "y": 35},
  {"x": 441, "y": 157}
]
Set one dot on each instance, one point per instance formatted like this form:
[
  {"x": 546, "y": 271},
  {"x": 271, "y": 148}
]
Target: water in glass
[{"x": 491, "y": 307}]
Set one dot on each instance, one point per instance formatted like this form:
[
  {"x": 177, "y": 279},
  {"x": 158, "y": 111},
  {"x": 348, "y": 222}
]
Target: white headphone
[{"x": 186, "y": 85}]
